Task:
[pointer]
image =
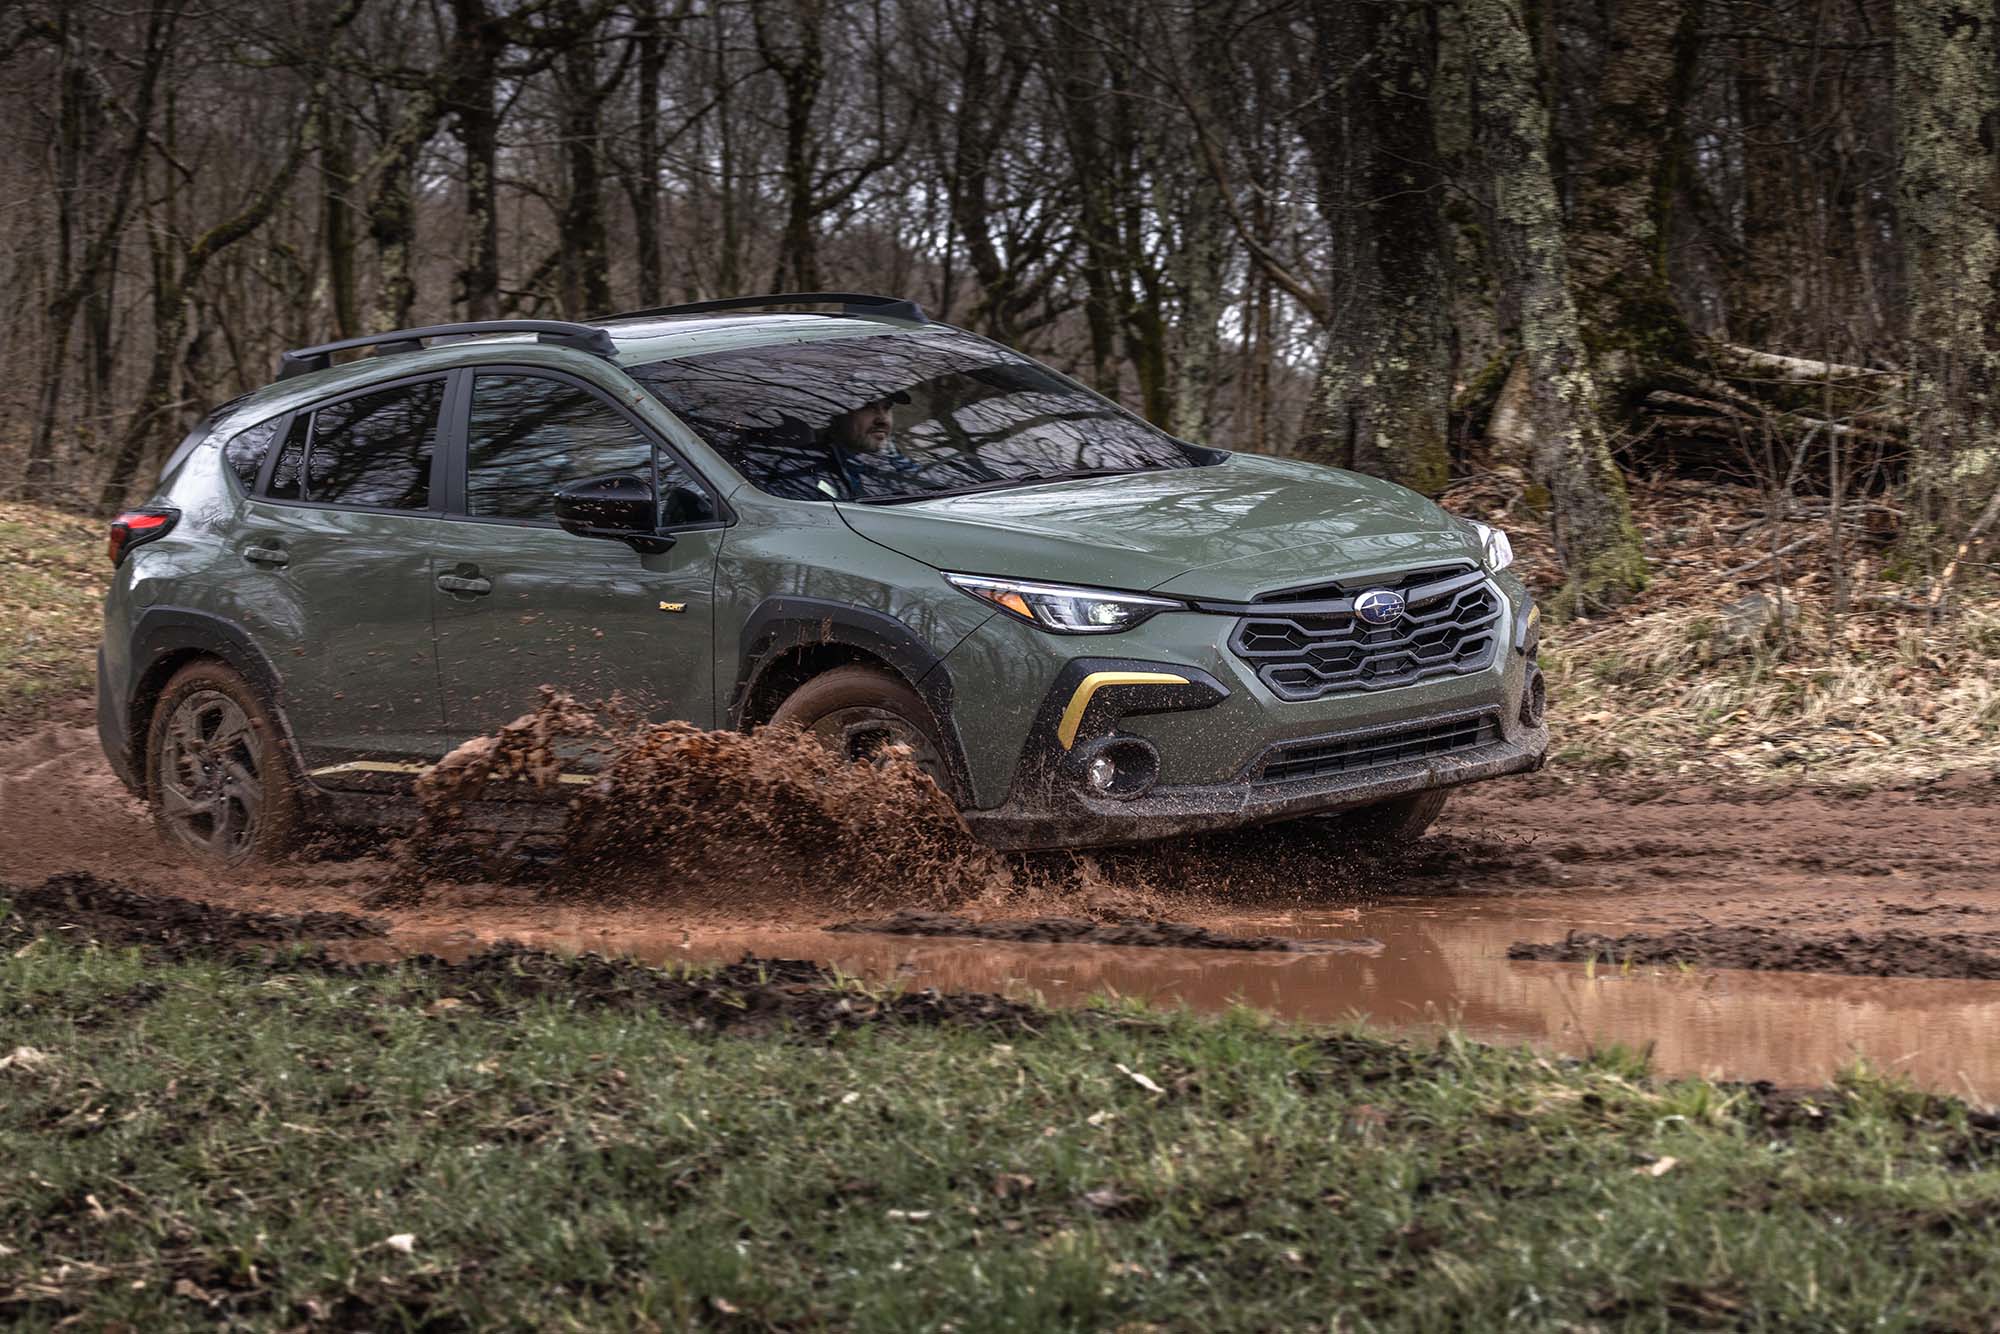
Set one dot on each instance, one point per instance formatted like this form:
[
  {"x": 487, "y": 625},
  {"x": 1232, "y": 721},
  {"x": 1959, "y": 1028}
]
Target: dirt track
[{"x": 1722, "y": 878}]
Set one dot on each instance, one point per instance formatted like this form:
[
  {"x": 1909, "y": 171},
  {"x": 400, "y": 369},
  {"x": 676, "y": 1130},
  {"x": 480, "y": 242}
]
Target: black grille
[
  {"x": 1311, "y": 645},
  {"x": 1338, "y": 755}
]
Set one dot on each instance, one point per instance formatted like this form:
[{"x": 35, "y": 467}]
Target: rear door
[
  {"x": 337, "y": 540},
  {"x": 521, "y": 604}
]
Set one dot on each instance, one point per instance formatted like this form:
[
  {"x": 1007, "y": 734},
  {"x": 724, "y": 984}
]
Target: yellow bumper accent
[{"x": 1073, "y": 715}]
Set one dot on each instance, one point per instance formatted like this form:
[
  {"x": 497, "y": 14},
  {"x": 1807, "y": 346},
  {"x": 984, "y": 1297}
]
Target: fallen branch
[
  {"x": 1800, "y": 368},
  {"x": 1979, "y": 527},
  {"x": 1780, "y": 553}
]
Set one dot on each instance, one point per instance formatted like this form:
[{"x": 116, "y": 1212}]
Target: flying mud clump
[{"x": 670, "y": 808}]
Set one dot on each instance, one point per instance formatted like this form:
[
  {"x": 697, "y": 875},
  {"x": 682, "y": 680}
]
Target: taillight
[{"x": 135, "y": 528}]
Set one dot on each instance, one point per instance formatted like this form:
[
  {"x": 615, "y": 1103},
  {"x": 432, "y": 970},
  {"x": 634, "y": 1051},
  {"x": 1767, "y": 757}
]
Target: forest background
[{"x": 1550, "y": 246}]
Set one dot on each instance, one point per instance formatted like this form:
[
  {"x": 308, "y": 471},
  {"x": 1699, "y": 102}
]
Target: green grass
[
  {"x": 182, "y": 1143},
  {"x": 52, "y": 574}
]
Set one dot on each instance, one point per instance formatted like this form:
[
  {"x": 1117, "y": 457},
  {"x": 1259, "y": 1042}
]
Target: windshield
[{"x": 894, "y": 417}]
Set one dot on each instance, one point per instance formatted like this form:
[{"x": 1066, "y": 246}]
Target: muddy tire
[
  {"x": 216, "y": 774},
  {"x": 856, "y": 711},
  {"x": 1393, "y": 823}
]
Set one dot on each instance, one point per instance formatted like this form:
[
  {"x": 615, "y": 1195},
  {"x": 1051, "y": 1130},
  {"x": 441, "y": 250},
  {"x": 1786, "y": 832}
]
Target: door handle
[
  {"x": 272, "y": 556},
  {"x": 460, "y": 583}
]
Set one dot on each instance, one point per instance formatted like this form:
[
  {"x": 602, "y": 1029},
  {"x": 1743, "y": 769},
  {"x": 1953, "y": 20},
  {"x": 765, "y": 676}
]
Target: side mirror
[{"x": 619, "y": 507}]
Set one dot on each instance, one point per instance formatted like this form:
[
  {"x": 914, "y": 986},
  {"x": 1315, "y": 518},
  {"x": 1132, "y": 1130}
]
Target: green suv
[{"x": 861, "y": 523}]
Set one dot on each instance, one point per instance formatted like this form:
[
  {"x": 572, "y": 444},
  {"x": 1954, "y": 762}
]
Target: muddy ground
[
  {"x": 1695, "y": 867},
  {"x": 1840, "y": 906}
]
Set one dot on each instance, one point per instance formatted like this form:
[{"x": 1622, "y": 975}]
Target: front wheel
[
  {"x": 215, "y": 771},
  {"x": 856, "y": 712}
]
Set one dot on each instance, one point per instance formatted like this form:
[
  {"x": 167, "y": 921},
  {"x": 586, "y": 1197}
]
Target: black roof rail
[
  {"x": 565, "y": 333},
  {"x": 850, "y": 303}
]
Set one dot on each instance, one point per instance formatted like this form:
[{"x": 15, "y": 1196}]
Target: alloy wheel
[{"x": 211, "y": 776}]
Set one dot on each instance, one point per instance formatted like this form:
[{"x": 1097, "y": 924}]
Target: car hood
[{"x": 1238, "y": 528}]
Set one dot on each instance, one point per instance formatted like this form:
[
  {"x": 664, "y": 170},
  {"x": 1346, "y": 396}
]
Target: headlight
[
  {"x": 1065, "y": 609},
  {"x": 1494, "y": 549}
]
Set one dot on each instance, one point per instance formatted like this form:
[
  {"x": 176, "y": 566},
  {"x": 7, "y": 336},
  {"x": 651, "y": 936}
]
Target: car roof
[{"x": 636, "y": 341}]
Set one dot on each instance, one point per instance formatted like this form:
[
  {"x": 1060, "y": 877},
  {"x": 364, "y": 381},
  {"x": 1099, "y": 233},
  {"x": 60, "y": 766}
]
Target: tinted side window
[
  {"x": 288, "y": 473},
  {"x": 529, "y": 435},
  {"x": 246, "y": 449},
  {"x": 375, "y": 449},
  {"x": 683, "y": 499}
]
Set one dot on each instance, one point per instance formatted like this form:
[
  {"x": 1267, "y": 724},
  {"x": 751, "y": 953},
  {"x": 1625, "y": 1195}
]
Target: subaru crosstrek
[{"x": 862, "y": 524}]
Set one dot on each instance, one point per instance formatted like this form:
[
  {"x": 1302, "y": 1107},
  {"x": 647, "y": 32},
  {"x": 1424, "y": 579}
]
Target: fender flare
[
  {"x": 780, "y": 624},
  {"x": 164, "y": 631}
]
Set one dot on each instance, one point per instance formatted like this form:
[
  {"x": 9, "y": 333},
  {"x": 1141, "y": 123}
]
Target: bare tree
[
  {"x": 1588, "y": 509},
  {"x": 1948, "y": 105}
]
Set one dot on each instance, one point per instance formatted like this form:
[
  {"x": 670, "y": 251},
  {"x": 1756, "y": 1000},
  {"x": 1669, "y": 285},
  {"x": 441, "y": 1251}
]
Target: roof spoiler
[
  {"x": 853, "y": 304},
  {"x": 564, "y": 333}
]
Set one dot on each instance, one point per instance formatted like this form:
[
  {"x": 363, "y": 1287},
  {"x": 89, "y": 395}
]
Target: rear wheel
[
  {"x": 215, "y": 771},
  {"x": 1394, "y": 823},
  {"x": 857, "y": 712}
]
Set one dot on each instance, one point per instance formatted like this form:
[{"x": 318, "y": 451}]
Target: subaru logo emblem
[{"x": 1379, "y": 606}]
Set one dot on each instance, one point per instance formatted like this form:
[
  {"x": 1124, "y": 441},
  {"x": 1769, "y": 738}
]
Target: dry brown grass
[
  {"x": 1690, "y": 681},
  {"x": 52, "y": 575}
]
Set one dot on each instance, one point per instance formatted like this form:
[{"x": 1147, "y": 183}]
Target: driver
[{"x": 863, "y": 443}]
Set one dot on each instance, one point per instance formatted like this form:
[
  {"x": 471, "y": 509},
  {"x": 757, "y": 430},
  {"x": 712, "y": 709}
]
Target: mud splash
[
  {"x": 675, "y": 816},
  {"x": 672, "y": 806}
]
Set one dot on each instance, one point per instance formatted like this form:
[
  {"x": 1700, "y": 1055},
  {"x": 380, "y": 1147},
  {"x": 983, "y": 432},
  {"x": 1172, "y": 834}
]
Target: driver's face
[{"x": 870, "y": 425}]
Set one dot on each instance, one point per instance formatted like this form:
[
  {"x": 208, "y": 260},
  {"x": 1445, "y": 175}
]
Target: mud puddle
[{"x": 1438, "y": 966}]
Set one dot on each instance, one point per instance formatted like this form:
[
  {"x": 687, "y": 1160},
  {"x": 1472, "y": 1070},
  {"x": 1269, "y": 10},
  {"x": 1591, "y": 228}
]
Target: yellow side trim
[
  {"x": 370, "y": 767},
  {"x": 1073, "y": 715},
  {"x": 391, "y": 767}
]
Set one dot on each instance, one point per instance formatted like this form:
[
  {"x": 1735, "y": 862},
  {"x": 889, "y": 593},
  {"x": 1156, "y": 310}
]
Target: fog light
[
  {"x": 1119, "y": 767},
  {"x": 1535, "y": 699}
]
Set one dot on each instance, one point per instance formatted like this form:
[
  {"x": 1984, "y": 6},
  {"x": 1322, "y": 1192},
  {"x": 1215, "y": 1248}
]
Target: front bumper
[
  {"x": 1222, "y": 750},
  {"x": 1072, "y": 817}
]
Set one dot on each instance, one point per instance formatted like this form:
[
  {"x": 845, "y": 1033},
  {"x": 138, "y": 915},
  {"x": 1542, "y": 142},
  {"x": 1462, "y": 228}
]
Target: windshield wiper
[{"x": 1032, "y": 479}]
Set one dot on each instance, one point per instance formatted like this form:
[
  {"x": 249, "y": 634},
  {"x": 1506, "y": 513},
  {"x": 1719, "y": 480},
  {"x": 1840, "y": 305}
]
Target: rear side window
[
  {"x": 246, "y": 449},
  {"x": 529, "y": 435},
  {"x": 372, "y": 450}
]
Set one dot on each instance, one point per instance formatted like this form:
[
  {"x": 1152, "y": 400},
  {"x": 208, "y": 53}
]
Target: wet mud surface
[
  {"x": 748, "y": 995},
  {"x": 1772, "y": 934},
  {"x": 79, "y": 904},
  {"x": 1849, "y": 953},
  {"x": 1135, "y": 932}
]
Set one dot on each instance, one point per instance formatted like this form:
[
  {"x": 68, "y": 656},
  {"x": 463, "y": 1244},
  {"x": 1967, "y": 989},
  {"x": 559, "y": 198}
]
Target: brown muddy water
[{"x": 1440, "y": 965}]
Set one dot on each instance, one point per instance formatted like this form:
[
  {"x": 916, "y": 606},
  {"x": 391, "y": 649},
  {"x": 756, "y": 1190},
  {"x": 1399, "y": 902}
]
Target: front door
[{"x": 522, "y": 605}]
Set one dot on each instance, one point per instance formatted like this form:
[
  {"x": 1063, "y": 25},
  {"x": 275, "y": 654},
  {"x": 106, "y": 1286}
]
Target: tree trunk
[
  {"x": 337, "y": 225},
  {"x": 1624, "y": 181},
  {"x": 392, "y": 210},
  {"x": 1947, "y": 114},
  {"x": 479, "y": 39},
  {"x": 651, "y": 37},
  {"x": 1383, "y": 402},
  {"x": 585, "y": 265},
  {"x": 800, "y": 65},
  {"x": 1199, "y": 267},
  {"x": 1595, "y": 537}
]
